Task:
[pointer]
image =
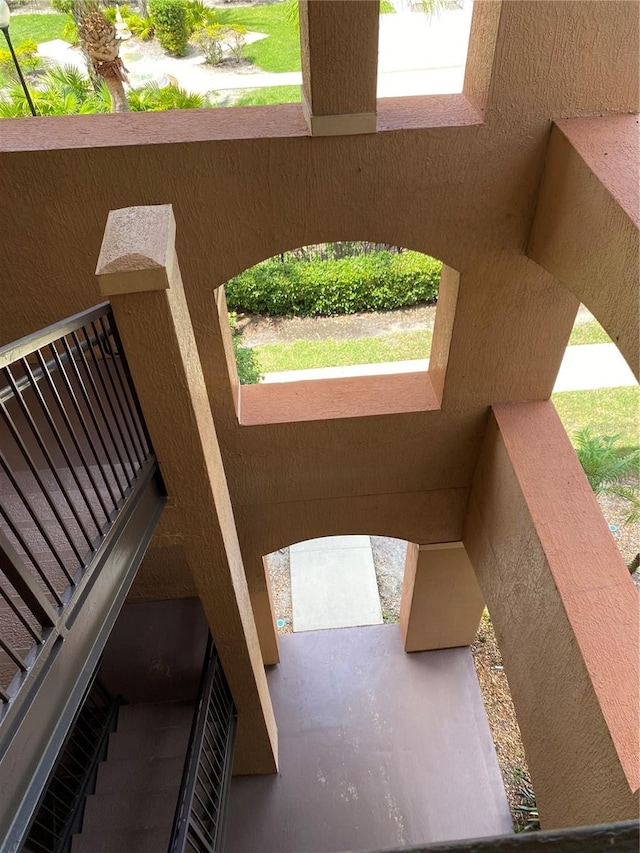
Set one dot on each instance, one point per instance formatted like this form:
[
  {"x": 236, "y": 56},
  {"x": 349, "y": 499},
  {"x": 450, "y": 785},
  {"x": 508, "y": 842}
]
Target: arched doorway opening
[{"x": 337, "y": 582}]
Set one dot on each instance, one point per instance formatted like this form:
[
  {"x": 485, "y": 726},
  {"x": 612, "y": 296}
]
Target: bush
[
  {"x": 210, "y": 40},
  {"x": 26, "y": 52},
  {"x": 170, "y": 22},
  {"x": 198, "y": 15},
  {"x": 152, "y": 98},
  {"x": 375, "y": 282},
  {"x": 141, "y": 27},
  {"x": 67, "y": 7},
  {"x": 214, "y": 38},
  {"x": 246, "y": 361}
]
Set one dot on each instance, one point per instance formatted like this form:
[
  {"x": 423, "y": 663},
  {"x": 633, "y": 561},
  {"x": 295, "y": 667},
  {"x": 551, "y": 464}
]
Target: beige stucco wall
[{"x": 454, "y": 176}]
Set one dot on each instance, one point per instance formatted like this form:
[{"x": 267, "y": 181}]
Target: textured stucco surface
[
  {"x": 457, "y": 177},
  {"x": 585, "y": 230},
  {"x": 176, "y": 406},
  {"x": 565, "y": 614}
]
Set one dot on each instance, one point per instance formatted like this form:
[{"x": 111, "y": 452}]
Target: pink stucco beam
[{"x": 585, "y": 230}]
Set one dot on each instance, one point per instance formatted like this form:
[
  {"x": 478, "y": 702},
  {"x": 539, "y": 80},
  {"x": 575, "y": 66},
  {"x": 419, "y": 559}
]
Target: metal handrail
[
  {"x": 27, "y": 345},
  {"x": 38, "y": 373},
  {"x": 622, "y": 837},
  {"x": 199, "y": 817}
]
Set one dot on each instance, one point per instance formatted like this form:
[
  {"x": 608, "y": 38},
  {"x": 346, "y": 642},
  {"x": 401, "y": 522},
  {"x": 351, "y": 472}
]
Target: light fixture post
[{"x": 5, "y": 16}]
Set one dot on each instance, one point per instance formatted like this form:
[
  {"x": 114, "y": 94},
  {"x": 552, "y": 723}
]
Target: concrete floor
[{"x": 377, "y": 749}]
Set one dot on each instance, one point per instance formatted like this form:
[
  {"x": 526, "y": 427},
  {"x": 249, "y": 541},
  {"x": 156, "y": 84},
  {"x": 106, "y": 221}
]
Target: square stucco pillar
[
  {"x": 339, "y": 44},
  {"x": 441, "y": 601},
  {"x": 138, "y": 270}
]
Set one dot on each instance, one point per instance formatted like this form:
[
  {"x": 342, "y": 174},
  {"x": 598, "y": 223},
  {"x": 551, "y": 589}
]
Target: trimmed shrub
[
  {"x": 26, "y": 52},
  {"x": 375, "y": 282},
  {"x": 246, "y": 359},
  {"x": 171, "y": 24}
]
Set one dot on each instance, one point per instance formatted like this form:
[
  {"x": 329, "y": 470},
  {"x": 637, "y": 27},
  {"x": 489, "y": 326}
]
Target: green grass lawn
[
  {"x": 279, "y": 52},
  {"x": 300, "y": 355},
  {"x": 270, "y": 95},
  {"x": 607, "y": 411},
  {"x": 37, "y": 27},
  {"x": 589, "y": 333}
]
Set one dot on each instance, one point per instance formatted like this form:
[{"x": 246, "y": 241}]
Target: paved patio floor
[{"x": 377, "y": 749}]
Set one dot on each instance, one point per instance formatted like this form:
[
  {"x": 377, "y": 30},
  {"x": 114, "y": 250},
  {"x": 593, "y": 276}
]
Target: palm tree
[{"x": 98, "y": 37}]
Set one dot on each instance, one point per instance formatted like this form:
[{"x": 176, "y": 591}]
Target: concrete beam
[
  {"x": 585, "y": 230},
  {"x": 157, "y": 335},
  {"x": 339, "y": 42},
  {"x": 441, "y": 601},
  {"x": 565, "y": 612}
]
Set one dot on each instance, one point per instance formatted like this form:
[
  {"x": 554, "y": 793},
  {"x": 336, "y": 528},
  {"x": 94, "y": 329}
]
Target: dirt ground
[{"x": 257, "y": 329}]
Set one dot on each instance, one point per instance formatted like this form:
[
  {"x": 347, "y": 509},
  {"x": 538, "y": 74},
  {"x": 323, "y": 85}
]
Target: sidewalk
[{"x": 584, "y": 367}]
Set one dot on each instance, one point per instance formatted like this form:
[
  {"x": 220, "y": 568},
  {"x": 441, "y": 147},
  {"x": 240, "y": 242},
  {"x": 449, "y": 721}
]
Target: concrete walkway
[
  {"x": 584, "y": 367},
  {"x": 333, "y": 584}
]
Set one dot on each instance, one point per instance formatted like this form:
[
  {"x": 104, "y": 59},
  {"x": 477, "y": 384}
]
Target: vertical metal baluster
[
  {"x": 47, "y": 456},
  {"x": 109, "y": 398},
  {"x": 67, "y": 421},
  {"x": 16, "y": 610},
  {"x": 24, "y": 544},
  {"x": 94, "y": 420},
  {"x": 83, "y": 423},
  {"x": 96, "y": 393},
  {"x": 34, "y": 514},
  {"x": 60, "y": 441},
  {"x": 137, "y": 418},
  {"x": 108, "y": 359}
]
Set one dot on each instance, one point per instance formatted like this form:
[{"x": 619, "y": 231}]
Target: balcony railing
[
  {"x": 200, "y": 813},
  {"x": 80, "y": 495}
]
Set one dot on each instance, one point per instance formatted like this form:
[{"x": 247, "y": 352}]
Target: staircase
[{"x": 133, "y": 808}]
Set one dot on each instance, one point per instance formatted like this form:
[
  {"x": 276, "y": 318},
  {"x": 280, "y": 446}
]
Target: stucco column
[
  {"x": 339, "y": 43},
  {"x": 565, "y": 613},
  {"x": 138, "y": 270},
  {"x": 441, "y": 601}
]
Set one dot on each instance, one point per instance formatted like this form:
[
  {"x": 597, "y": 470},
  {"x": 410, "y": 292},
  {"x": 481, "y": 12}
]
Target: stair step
[
  {"x": 129, "y": 810},
  {"x": 134, "y": 841},
  {"x": 155, "y": 716},
  {"x": 139, "y": 774},
  {"x": 150, "y": 743}
]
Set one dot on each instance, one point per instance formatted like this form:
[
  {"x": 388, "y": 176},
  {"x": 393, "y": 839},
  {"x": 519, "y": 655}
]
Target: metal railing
[
  {"x": 623, "y": 837},
  {"x": 199, "y": 820},
  {"x": 73, "y": 447},
  {"x": 59, "y": 813}
]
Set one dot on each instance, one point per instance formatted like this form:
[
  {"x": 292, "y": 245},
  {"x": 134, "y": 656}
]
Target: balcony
[{"x": 378, "y": 749}]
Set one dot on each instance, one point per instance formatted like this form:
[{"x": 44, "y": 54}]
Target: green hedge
[
  {"x": 375, "y": 282},
  {"x": 171, "y": 25}
]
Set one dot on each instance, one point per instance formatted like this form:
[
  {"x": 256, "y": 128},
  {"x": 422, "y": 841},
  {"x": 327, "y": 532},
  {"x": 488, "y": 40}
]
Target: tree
[{"x": 98, "y": 37}]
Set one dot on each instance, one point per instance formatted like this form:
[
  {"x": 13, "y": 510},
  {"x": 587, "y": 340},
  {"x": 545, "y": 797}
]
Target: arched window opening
[{"x": 334, "y": 310}]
